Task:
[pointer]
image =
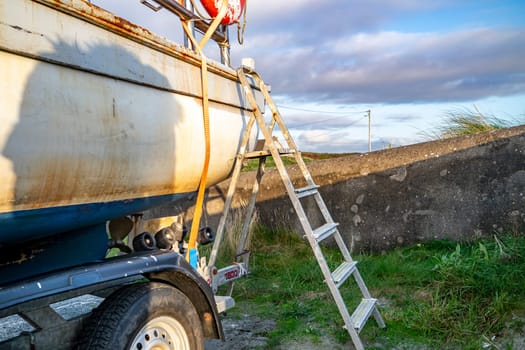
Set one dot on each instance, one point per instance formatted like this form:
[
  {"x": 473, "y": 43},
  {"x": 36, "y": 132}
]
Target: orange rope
[{"x": 192, "y": 242}]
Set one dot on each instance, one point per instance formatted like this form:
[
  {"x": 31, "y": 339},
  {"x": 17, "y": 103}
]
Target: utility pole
[{"x": 369, "y": 132}]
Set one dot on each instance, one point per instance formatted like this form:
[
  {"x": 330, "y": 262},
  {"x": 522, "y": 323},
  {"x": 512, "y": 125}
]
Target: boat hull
[{"x": 101, "y": 119}]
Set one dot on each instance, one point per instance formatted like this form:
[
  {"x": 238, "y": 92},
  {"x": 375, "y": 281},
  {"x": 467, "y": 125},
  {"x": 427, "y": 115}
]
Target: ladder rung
[
  {"x": 343, "y": 272},
  {"x": 306, "y": 191},
  {"x": 362, "y": 313},
  {"x": 325, "y": 231},
  {"x": 266, "y": 153}
]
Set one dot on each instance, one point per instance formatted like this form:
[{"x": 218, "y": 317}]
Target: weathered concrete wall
[{"x": 457, "y": 188}]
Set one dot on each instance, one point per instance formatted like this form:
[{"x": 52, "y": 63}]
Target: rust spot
[
  {"x": 208, "y": 318},
  {"x": 100, "y": 17}
]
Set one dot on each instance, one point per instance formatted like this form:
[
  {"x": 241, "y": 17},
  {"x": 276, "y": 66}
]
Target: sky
[{"x": 410, "y": 63}]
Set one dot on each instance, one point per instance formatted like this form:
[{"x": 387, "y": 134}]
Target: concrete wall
[{"x": 456, "y": 188}]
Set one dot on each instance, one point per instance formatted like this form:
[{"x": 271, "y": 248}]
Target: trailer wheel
[{"x": 144, "y": 316}]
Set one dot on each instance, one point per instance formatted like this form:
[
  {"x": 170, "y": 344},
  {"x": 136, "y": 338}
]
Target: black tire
[{"x": 139, "y": 316}]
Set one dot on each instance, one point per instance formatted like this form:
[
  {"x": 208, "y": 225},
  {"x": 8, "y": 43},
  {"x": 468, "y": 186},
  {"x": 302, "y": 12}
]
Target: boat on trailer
[{"x": 101, "y": 119}]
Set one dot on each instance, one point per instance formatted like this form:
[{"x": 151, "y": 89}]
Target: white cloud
[
  {"x": 268, "y": 9},
  {"x": 315, "y": 137},
  {"x": 397, "y": 67},
  {"x": 389, "y": 43}
]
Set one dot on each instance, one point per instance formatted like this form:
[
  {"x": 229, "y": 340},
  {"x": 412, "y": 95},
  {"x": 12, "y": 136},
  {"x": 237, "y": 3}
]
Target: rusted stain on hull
[
  {"x": 98, "y": 16},
  {"x": 112, "y": 149},
  {"x": 74, "y": 48}
]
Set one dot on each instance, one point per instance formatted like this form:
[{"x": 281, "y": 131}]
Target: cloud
[
  {"x": 394, "y": 67},
  {"x": 329, "y": 141},
  {"x": 324, "y": 141},
  {"x": 314, "y": 19},
  {"x": 402, "y": 118},
  {"x": 336, "y": 51}
]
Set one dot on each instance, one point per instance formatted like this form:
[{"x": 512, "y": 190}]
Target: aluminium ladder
[{"x": 354, "y": 322}]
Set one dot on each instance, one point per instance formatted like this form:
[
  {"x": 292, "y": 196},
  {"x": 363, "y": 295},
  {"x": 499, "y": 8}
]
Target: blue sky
[{"x": 409, "y": 62}]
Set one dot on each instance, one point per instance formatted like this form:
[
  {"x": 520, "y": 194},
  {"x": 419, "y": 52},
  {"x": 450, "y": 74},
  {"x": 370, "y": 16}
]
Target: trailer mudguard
[{"x": 164, "y": 266}]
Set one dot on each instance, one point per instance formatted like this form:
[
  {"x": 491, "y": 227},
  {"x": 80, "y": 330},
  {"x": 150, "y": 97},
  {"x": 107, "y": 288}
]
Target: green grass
[
  {"x": 308, "y": 157},
  {"x": 439, "y": 295},
  {"x": 467, "y": 122},
  {"x": 253, "y": 164}
]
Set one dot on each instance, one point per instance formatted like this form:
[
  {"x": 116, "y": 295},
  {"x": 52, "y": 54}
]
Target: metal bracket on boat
[
  {"x": 150, "y": 5},
  {"x": 184, "y": 14}
]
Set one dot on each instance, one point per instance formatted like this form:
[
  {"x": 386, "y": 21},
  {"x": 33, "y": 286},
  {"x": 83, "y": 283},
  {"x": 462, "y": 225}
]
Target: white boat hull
[{"x": 96, "y": 111}]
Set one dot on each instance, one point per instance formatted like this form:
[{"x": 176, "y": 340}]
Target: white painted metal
[
  {"x": 161, "y": 333},
  {"x": 228, "y": 274},
  {"x": 94, "y": 109},
  {"x": 224, "y": 303}
]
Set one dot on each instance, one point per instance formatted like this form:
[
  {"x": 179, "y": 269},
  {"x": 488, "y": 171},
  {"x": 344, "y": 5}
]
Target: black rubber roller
[
  {"x": 165, "y": 238},
  {"x": 144, "y": 241}
]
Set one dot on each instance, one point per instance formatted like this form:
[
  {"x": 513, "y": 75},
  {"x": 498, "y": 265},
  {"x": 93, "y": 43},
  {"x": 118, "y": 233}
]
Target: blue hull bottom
[
  {"x": 53, "y": 253},
  {"x": 33, "y": 242},
  {"x": 28, "y": 225}
]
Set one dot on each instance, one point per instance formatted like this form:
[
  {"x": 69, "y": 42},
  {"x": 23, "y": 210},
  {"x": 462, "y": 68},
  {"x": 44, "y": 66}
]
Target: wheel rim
[{"x": 161, "y": 333}]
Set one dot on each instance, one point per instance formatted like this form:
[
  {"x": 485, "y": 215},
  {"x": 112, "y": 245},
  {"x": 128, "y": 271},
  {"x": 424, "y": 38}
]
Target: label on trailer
[{"x": 230, "y": 273}]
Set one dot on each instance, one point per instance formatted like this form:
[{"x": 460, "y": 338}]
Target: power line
[
  {"x": 327, "y": 119},
  {"x": 318, "y": 111},
  {"x": 367, "y": 115}
]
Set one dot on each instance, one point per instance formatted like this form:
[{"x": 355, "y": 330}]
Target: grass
[
  {"x": 253, "y": 164},
  {"x": 433, "y": 296},
  {"x": 467, "y": 122},
  {"x": 308, "y": 157}
]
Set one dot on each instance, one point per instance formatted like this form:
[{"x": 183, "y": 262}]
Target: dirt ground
[{"x": 250, "y": 332}]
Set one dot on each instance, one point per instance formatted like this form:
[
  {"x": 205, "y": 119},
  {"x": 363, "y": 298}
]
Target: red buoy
[{"x": 235, "y": 9}]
